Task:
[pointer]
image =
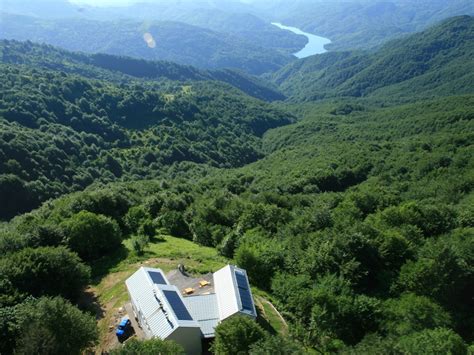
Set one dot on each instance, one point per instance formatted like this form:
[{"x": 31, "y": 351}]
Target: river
[{"x": 315, "y": 43}]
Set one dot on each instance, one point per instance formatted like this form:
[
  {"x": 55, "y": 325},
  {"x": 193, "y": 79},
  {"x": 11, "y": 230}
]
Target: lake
[{"x": 315, "y": 43}]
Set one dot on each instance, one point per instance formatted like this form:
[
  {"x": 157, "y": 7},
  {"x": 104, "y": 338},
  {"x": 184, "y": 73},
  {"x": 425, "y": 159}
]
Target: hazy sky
[
  {"x": 126, "y": 2},
  {"x": 103, "y": 2}
]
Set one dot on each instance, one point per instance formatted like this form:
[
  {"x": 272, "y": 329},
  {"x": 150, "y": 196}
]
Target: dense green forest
[
  {"x": 175, "y": 41},
  {"x": 125, "y": 69},
  {"x": 354, "y": 213},
  {"x": 429, "y": 64},
  {"x": 60, "y": 132}
]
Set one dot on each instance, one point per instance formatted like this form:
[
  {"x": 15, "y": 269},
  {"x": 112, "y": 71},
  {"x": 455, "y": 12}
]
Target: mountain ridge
[{"x": 357, "y": 74}]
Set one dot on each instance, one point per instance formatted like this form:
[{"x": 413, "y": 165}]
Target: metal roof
[
  {"x": 160, "y": 308},
  {"x": 230, "y": 298},
  {"x": 153, "y": 305},
  {"x": 203, "y": 309}
]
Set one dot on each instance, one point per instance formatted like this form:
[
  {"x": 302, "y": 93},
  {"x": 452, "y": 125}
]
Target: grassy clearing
[{"x": 165, "y": 253}]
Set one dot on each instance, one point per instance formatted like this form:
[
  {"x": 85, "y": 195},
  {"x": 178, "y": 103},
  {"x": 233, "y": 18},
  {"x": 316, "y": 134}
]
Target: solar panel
[
  {"x": 157, "y": 277},
  {"x": 177, "y": 304},
  {"x": 244, "y": 292},
  {"x": 241, "y": 280}
]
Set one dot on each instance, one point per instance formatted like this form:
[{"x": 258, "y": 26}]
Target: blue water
[{"x": 315, "y": 43}]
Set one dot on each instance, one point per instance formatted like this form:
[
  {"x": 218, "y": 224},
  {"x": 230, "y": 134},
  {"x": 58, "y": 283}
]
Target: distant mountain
[
  {"x": 437, "y": 61},
  {"x": 362, "y": 24},
  {"x": 174, "y": 41},
  {"x": 235, "y": 20},
  {"x": 120, "y": 69}
]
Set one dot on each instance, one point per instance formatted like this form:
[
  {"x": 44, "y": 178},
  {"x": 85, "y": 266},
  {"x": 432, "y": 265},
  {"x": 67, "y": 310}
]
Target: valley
[
  {"x": 315, "y": 45},
  {"x": 339, "y": 175}
]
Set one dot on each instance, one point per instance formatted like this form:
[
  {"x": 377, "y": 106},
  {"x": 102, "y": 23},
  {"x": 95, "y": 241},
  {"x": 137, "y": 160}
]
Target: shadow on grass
[
  {"x": 90, "y": 303},
  {"x": 264, "y": 323},
  {"x": 102, "y": 267}
]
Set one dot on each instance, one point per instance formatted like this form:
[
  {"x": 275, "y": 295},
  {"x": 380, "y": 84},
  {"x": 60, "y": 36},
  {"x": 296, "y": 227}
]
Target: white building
[{"x": 164, "y": 313}]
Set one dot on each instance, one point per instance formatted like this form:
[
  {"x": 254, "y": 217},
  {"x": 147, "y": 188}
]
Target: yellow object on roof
[
  {"x": 204, "y": 283},
  {"x": 188, "y": 291}
]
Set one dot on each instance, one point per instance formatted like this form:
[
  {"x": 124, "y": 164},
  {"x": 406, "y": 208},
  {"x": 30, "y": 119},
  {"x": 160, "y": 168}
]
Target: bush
[
  {"x": 45, "y": 271},
  {"x": 139, "y": 243},
  {"x": 276, "y": 345},
  {"x": 432, "y": 342},
  {"x": 150, "y": 347},
  {"x": 236, "y": 335},
  {"x": 54, "y": 326},
  {"x": 91, "y": 235}
]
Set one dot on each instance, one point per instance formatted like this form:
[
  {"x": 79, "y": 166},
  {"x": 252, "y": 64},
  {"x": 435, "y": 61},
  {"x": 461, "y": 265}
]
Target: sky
[
  {"x": 103, "y": 2},
  {"x": 122, "y": 2}
]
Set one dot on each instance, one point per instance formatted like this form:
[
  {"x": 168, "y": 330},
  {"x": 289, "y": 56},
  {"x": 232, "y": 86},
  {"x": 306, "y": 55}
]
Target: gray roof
[
  {"x": 203, "y": 309},
  {"x": 161, "y": 319}
]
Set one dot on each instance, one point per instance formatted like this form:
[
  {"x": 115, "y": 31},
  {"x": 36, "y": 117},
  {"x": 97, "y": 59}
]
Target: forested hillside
[
  {"x": 362, "y": 24},
  {"x": 61, "y": 132},
  {"x": 432, "y": 63},
  {"x": 225, "y": 16},
  {"x": 353, "y": 212},
  {"x": 175, "y": 41},
  {"x": 359, "y": 224},
  {"x": 125, "y": 69}
]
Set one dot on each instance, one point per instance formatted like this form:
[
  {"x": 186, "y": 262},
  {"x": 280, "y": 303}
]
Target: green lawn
[{"x": 165, "y": 253}]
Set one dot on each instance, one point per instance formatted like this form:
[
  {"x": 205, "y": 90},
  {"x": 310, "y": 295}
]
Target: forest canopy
[{"x": 353, "y": 211}]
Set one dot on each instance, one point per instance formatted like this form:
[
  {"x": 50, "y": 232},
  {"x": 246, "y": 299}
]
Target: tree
[
  {"x": 411, "y": 313},
  {"x": 174, "y": 224},
  {"x": 16, "y": 197},
  {"x": 276, "y": 345},
  {"x": 134, "y": 218},
  {"x": 338, "y": 313},
  {"x": 149, "y": 347},
  {"x": 439, "y": 273},
  {"x": 91, "y": 235},
  {"x": 260, "y": 255},
  {"x": 236, "y": 335},
  {"x": 55, "y": 326},
  {"x": 139, "y": 243},
  {"x": 46, "y": 271},
  {"x": 432, "y": 342}
]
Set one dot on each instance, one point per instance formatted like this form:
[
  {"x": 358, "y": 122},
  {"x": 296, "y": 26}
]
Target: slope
[
  {"x": 60, "y": 132},
  {"x": 175, "y": 41},
  {"x": 420, "y": 65},
  {"x": 123, "y": 69},
  {"x": 341, "y": 223},
  {"x": 363, "y": 24}
]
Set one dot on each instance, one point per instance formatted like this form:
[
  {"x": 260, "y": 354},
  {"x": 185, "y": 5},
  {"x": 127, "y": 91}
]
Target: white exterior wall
[
  {"x": 225, "y": 288},
  {"x": 189, "y": 339}
]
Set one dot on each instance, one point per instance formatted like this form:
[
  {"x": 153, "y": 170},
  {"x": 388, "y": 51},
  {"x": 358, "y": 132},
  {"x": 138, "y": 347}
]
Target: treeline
[{"x": 359, "y": 224}]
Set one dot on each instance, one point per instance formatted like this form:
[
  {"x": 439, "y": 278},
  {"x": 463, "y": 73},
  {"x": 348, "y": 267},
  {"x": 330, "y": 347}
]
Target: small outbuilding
[{"x": 163, "y": 312}]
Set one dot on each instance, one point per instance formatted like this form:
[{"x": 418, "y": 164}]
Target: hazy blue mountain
[
  {"x": 360, "y": 24},
  {"x": 174, "y": 41}
]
